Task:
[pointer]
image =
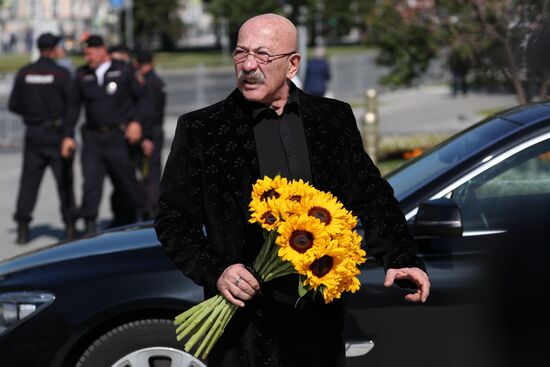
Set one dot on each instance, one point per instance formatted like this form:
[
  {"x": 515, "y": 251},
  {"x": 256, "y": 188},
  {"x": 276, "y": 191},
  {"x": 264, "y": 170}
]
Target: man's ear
[{"x": 293, "y": 65}]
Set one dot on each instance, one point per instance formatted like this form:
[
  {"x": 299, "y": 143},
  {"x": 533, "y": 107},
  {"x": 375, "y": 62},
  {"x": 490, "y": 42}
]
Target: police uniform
[
  {"x": 110, "y": 106},
  {"x": 151, "y": 166},
  {"x": 40, "y": 95}
]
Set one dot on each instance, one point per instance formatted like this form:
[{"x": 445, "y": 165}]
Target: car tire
[{"x": 141, "y": 343}]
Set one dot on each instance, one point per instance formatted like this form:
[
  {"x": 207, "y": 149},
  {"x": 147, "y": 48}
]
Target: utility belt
[
  {"x": 48, "y": 124},
  {"x": 105, "y": 129}
]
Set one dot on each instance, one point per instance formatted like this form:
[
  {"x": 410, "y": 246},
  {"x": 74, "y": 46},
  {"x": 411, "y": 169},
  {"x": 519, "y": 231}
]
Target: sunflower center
[
  {"x": 320, "y": 213},
  {"x": 321, "y": 266},
  {"x": 269, "y": 194},
  {"x": 268, "y": 218},
  {"x": 296, "y": 198},
  {"x": 301, "y": 241}
]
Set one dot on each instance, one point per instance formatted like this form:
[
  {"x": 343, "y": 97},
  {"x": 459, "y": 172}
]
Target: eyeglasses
[{"x": 263, "y": 57}]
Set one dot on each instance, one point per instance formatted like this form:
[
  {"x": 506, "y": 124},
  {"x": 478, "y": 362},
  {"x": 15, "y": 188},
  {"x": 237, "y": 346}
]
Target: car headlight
[{"x": 16, "y": 306}]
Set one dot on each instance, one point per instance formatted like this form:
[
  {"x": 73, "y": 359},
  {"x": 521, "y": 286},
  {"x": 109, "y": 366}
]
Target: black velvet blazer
[{"x": 202, "y": 218}]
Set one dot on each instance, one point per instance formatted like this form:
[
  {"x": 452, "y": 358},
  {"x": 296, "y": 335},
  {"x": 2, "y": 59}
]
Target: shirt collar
[
  {"x": 293, "y": 103},
  {"x": 101, "y": 70}
]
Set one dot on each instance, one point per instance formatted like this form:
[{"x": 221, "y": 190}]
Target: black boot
[
  {"x": 22, "y": 232},
  {"x": 70, "y": 230},
  {"x": 90, "y": 226}
]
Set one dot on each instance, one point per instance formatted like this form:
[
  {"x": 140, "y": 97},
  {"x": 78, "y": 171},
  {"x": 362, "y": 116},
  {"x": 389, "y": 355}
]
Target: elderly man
[{"x": 265, "y": 127}]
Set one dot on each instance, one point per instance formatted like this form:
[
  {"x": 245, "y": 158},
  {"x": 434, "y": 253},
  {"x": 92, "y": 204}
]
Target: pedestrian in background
[
  {"x": 151, "y": 146},
  {"x": 115, "y": 104},
  {"x": 62, "y": 59},
  {"x": 41, "y": 95},
  {"x": 459, "y": 64},
  {"x": 317, "y": 73}
]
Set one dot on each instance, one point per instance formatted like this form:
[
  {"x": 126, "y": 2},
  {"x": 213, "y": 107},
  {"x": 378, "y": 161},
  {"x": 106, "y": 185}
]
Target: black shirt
[{"x": 280, "y": 140}]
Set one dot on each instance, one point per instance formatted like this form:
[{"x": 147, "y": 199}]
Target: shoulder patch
[{"x": 39, "y": 78}]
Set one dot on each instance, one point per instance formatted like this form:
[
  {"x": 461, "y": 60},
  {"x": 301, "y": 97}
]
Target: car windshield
[{"x": 446, "y": 155}]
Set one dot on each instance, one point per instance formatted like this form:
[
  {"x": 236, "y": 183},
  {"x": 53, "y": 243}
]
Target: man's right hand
[
  {"x": 68, "y": 146},
  {"x": 237, "y": 284}
]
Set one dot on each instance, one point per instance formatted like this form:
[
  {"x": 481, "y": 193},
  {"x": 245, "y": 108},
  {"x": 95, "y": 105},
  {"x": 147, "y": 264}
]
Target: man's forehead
[{"x": 254, "y": 39}]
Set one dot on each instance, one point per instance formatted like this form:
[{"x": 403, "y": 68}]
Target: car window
[
  {"x": 511, "y": 192},
  {"x": 446, "y": 155}
]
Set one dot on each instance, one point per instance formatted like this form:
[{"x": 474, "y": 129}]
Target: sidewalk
[
  {"x": 426, "y": 109},
  {"x": 432, "y": 109}
]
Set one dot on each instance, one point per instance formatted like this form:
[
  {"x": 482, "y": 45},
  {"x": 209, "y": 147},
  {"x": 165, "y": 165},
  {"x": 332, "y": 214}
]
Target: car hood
[{"x": 124, "y": 239}]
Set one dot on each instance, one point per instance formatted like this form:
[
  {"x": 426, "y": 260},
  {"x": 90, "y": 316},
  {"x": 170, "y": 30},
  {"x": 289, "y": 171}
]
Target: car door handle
[{"x": 358, "y": 348}]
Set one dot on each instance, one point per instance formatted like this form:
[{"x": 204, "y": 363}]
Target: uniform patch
[
  {"x": 39, "y": 78},
  {"x": 113, "y": 74}
]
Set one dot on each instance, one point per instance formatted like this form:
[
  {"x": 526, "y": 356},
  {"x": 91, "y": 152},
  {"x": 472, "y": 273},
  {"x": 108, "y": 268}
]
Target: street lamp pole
[{"x": 129, "y": 24}]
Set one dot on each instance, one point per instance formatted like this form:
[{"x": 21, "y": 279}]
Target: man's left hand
[
  {"x": 133, "y": 132},
  {"x": 416, "y": 275}
]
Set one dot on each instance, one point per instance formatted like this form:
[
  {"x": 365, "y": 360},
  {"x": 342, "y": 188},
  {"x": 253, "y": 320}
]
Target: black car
[{"x": 478, "y": 204}]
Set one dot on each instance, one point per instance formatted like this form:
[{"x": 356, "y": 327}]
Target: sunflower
[
  {"x": 348, "y": 239},
  {"x": 329, "y": 211},
  {"x": 332, "y": 272},
  {"x": 265, "y": 213},
  {"x": 300, "y": 238},
  {"x": 267, "y": 188}
]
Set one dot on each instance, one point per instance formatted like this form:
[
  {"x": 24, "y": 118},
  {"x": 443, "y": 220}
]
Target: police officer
[
  {"x": 115, "y": 104},
  {"x": 40, "y": 95},
  {"x": 152, "y": 143}
]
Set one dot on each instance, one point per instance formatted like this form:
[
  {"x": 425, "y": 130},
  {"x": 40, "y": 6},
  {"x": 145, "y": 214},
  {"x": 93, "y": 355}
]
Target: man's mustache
[{"x": 252, "y": 77}]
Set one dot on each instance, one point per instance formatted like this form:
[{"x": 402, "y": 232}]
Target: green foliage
[
  {"x": 237, "y": 11},
  {"x": 497, "y": 39},
  {"x": 157, "y": 19},
  {"x": 405, "y": 47},
  {"x": 328, "y": 19}
]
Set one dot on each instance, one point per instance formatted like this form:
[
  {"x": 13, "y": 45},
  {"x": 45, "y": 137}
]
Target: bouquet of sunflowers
[{"x": 306, "y": 231}]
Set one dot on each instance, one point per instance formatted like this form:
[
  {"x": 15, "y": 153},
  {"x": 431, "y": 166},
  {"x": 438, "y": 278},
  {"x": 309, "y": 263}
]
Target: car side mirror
[{"x": 438, "y": 217}]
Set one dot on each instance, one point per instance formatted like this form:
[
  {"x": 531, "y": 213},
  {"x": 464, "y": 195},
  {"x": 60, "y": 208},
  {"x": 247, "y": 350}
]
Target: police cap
[
  {"x": 94, "y": 40},
  {"x": 47, "y": 41},
  {"x": 144, "y": 57}
]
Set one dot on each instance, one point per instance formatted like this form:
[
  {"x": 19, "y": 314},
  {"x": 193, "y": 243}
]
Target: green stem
[
  {"x": 223, "y": 310},
  {"x": 219, "y": 328},
  {"x": 285, "y": 269},
  {"x": 275, "y": 264},
  {"x": 211, "y": 318},
  {"x": 185, "y": 315},
  {"x": 191, "y": 323},
  {"x": 260, "y": 259},
  {"x": 271, "y": 258}
]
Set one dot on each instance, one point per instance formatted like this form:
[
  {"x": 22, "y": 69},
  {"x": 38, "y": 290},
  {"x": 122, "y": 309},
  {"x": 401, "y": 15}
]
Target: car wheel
[{"x": 142, "y": 343}]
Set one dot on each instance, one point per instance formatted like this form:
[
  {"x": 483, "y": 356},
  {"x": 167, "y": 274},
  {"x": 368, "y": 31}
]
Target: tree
[
  {"x": 502, "y": 38},
  {"x": 237, "y": 11},
  {"x": 157, "y": 20},
  {"x": 328, "y": 19}
]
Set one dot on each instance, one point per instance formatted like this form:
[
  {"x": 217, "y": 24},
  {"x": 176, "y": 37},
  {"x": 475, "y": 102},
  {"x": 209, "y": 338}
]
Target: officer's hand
[
  {"x": 237, "y": 284},
  {"x": 147, "y": 147},
  {"x": 68, "y": 146},
  {"x": 133, "y": 132}
]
